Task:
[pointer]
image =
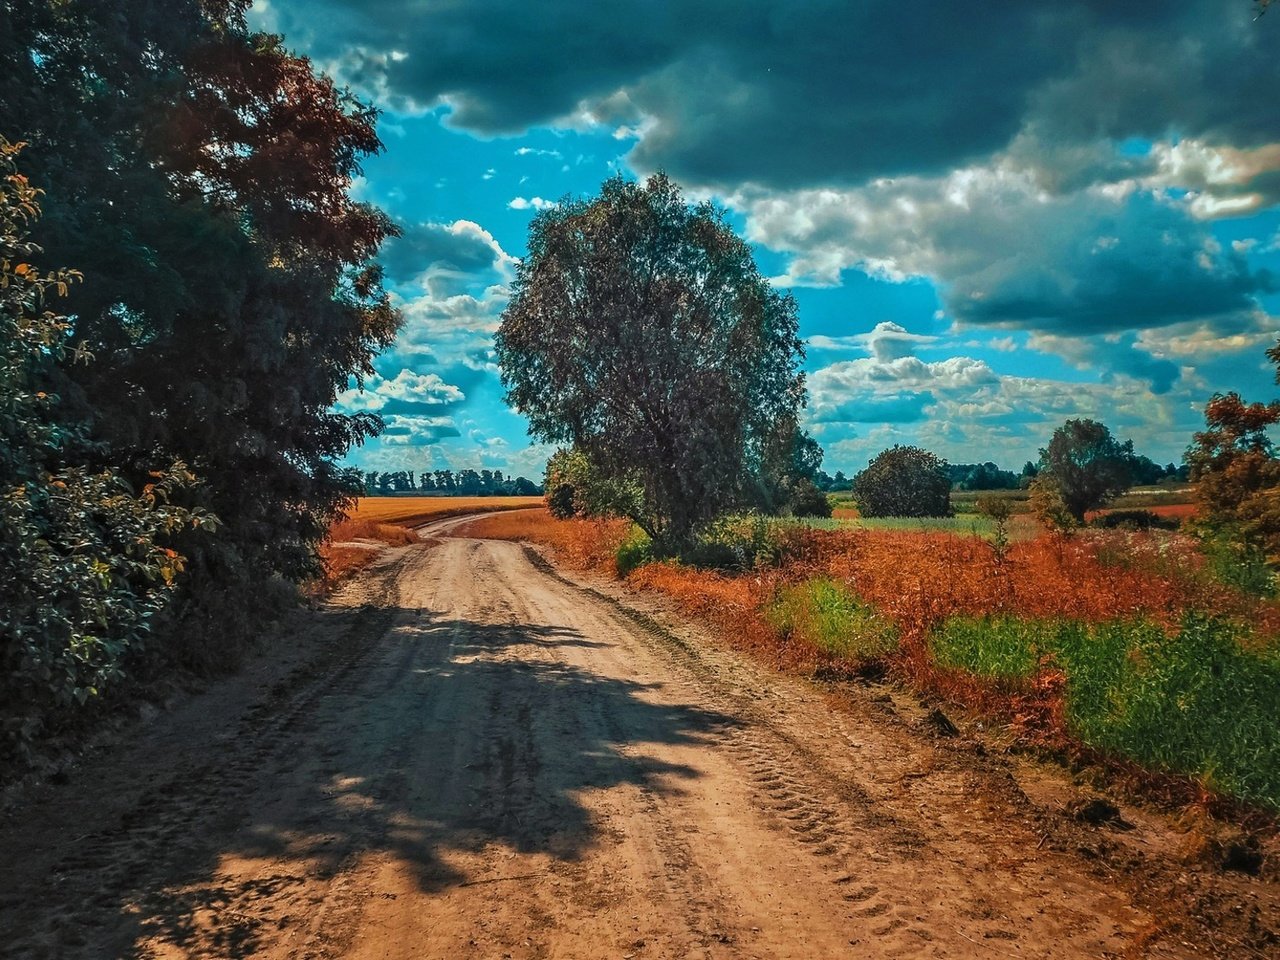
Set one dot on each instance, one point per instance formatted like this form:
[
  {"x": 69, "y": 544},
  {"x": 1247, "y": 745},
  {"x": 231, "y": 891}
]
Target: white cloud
[{"x": 534, "y": 203}]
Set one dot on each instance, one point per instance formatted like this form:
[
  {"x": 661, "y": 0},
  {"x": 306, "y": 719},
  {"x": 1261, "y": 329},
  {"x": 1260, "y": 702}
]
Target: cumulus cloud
[
  {"x": 722, "y": 95},
  {"x": 530, "y": 203},
  {"x": 446, "y": 258},
  {"x": 407, "y": 390}
]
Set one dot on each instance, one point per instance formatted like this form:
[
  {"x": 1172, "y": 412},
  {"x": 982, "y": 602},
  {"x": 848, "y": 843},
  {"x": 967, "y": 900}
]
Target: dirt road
[{"x": 471, "y": 756}]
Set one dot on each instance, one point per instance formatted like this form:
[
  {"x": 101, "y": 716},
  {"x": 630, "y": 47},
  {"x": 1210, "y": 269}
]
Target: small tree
[
  {"x": 903, "y": 482},
  {"x": 1238, "y": 474},
  {"x": 640, "y": 332},
  {"x": 1088, "y": 466},
  {"x": 576, "y": 488}
]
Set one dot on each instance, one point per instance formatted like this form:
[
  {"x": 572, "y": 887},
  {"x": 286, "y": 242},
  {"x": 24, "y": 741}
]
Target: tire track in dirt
[{"x": 493, "y": 760}]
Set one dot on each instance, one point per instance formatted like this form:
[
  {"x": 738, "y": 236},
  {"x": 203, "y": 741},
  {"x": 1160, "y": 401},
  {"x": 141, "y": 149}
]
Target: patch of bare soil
[{"x": 483, "y": 758}]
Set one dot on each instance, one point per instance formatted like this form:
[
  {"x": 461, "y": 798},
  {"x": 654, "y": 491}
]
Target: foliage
[
  {"x": 465, "y": 483},
  {"x": 1236, "y": 562},
  {"x": 999, "y": 510},
  {"x": 809, "y": 501},
  {"x": 1195, "y": 701},
  {"x": 832, "y": 617},
  {"x": 788, "y": 480},
  {"x": 640, "y": 331},
  {"x": 576, "y": 487},
  {"x": 200, "y": 176},
  {"x": 635, "y": 551},
  {"x": 1088, "y": 467},
  {"x": 903, "y": 482},
  {"x": 981, "y": 476},
  {"x": 82, "y": 573},
  {"x": 1238, "y": 474},
  {"x": 1049, "y": 506},
  {"x": 1136, "y": 520},
  {"x": 740, "y": 542}
]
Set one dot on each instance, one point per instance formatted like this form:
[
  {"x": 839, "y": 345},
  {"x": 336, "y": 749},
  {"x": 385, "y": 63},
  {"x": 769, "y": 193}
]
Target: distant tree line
[
  {"x": 445, "y": 483},
  {"x": 1082, "y": 469}
]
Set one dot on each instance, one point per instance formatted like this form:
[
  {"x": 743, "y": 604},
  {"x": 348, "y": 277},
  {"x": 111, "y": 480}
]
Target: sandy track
[{"x": 486, "y": 760}]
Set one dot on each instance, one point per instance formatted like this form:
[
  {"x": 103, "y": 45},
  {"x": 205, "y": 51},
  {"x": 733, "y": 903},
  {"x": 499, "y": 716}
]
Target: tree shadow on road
[{"x": 445, "y": 738}]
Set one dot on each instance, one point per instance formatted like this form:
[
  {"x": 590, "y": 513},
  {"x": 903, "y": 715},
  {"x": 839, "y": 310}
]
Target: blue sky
[{"x": 992, "y": 220}]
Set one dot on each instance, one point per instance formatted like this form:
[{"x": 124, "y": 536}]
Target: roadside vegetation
[{"x": 187, "y": 284}]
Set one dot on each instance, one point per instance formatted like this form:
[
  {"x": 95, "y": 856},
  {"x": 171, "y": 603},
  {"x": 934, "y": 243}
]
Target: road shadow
[{"x": 449, "y": 737}]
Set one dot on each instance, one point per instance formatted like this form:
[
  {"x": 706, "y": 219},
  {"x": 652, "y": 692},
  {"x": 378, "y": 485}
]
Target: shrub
[
  {"x": 634, "y": 551},
  {"x": 1136, "y": 520},
  {"x": 82, "y": 569},
  {"x": 828, "y": 614},
  {"x": 1236, "y": 560},
  {"x": 903, "y": 482},
  {"x": 739, "y": 542},
  {"x": 809, "y": 501}
]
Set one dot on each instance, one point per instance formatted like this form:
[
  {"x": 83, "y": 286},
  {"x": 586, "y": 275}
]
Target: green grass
[
  {"x": 1196, "y": 703},
  {"x": 834, "y": 618},
  {"x": 635, "y": 551},
  {"x": 967, "y": 526}
]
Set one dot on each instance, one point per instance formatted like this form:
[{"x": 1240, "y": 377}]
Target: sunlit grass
[{"x": 1200, "y": 701}]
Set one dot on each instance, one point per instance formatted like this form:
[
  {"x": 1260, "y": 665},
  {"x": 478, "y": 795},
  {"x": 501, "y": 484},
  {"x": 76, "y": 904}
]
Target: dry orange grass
[
  {"x": 352, "y": 543},
  {"x": 581, "y": 544}
]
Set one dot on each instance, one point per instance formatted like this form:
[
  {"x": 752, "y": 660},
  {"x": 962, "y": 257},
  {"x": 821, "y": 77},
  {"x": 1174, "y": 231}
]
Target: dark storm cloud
[{"x": 824, "y": 91}]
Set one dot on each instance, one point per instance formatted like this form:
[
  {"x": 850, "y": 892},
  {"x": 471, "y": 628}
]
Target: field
[
  {"x": 353, "y": 542},
  {"x": 1125, "y": 649},
  {"x": 411, "y": 511}
]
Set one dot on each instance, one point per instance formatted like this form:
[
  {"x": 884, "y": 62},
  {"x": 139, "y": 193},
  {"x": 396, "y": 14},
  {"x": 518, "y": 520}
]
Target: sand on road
[{"x": 482, "y": 759}]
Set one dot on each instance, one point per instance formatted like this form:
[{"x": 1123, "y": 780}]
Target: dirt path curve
[{"x": 486, "y": 760}]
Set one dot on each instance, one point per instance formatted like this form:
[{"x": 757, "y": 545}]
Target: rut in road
[{"x": 491, "y": 762}]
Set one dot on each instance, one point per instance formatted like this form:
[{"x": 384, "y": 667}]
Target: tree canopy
[
  {"x": 903, "y": 481},
  {"x": 199, "y": 175},
  {"x": 641, "y": 333},
  {"x": 1086, "y": 466}
]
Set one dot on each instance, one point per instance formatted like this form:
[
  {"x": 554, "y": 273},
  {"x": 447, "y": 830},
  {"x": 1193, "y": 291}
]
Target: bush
[
  {"x": 1136, "y": 520},
  {"x": 828, "y": 614},
  {"x": 82, "y": 571},
  {"x": 903, "y": 482},
  {"x": 739, "y": 542},
  {"x": 809, "y": 501},
  {"x": 634, "y": 551},
  {"x": 1236, "y": 560},
  {"x": 1198, "y": 702},
  {"x": 560, "y": 501}
]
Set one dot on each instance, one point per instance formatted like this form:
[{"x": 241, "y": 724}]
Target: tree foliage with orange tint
[
  {"x": 1234, "y": 463},
  {"x": 199, "y": 175}
]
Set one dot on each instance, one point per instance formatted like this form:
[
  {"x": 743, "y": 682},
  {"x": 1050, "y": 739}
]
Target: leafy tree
[
  {"x": 200, "y": 176},
  {"x": 82, "y": 569},
  {"x": 903, "y": 481},
  {"x": 1233, "y": 461},
  {"x": 576, "y": 488},
  {"x": 1088, "y": 467},
  {"x": 640, "y": 332}
]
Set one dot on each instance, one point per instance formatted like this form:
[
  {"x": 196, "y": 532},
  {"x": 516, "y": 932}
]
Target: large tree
[
  {"x": 640, "y": 331},
  {"x": 199, "y": 175},
  {"x": 1085, "y": 466}
]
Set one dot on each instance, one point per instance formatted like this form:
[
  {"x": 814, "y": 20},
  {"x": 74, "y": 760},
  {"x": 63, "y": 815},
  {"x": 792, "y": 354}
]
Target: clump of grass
[
  {"x": 634, "y": 551},
  {"x": 832, "y": 617},
  {"x": 1198, "y": 702},
  {"x": 740, "y": 542}
]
